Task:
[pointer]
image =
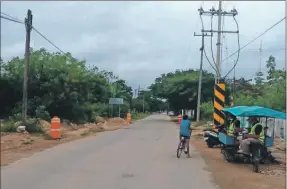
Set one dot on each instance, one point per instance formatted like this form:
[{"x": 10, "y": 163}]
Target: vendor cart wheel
[
  {"x": 209, "y": 144},
  {"x": 226, "y": 156}
]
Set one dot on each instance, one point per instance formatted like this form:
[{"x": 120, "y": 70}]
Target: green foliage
[
  {"x": 42, "y": 113},
  {"x": 206, "y": 110},
  {"x": 271, "y": 94},
  {"x": 60, "y": 85},
  {"x": 179, "y": 88},
  {"x": 138, "y": 116},
  {"x": 8, "y": 126},
  {"x": 33, "y": 125}
]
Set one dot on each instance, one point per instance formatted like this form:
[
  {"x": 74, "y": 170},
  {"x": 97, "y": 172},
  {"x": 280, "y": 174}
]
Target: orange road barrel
[
  {"x": 129, "y": 117},
  {"x": 179, "y": 118},
  {"x": 55, "y": 129}
]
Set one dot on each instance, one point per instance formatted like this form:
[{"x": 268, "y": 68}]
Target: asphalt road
[{"x": 142, "y": 156}]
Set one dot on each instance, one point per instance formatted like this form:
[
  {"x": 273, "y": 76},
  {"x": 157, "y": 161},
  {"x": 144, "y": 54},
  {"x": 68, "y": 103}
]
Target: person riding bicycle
[{"x": 185, "y": 131}]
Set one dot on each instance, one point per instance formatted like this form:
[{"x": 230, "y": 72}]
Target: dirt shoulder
[
  {"x": 15, "y": 146},
  {"x": 238, "y": 176}
]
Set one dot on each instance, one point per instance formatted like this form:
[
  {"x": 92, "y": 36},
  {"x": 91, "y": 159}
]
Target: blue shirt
[{"x": 184, "y": 128}]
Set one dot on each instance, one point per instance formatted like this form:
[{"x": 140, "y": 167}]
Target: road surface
[{"x": 142, "y": 156}]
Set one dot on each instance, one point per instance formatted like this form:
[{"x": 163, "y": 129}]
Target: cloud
[{"x": 141, "y": 40}]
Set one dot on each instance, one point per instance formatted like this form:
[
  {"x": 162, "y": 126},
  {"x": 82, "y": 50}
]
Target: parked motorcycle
[{"x": 211, "y": 135}]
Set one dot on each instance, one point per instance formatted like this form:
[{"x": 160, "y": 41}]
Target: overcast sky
[{"x": 139, "y": 41}]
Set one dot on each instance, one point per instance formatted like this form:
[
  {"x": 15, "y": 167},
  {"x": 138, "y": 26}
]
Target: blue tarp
[{"x": 247, "y": 111}]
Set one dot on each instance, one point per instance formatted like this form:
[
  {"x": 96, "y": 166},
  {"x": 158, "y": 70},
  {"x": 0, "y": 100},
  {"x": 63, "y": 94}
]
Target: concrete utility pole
[
  {"x": 143, "y": 102},
  {"x": 1, "y": 61},
  {"x": 219, "y": 13},
  {"x": 218, "y": 63},
  {"x": 28, "y": 24},
  {"x": 234, "y": 84},
  {"x": 200, "y": 75}
]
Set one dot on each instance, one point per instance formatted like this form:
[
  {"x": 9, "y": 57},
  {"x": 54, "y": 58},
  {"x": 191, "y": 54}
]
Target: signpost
[{"x": 118, "y": 101}]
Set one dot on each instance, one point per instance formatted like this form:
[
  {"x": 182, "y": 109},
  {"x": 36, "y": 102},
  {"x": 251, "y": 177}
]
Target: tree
[
  {"x": 59, "y": 85},
  {"x": 179, "y": 88}
]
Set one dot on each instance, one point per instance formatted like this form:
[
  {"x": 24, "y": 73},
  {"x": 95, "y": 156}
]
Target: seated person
[
  {"x": 256, "y": 135},
  {"x": 233, "y": 123}
]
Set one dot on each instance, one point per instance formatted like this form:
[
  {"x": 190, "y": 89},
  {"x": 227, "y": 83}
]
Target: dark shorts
[{"x": 186, "y": 137}]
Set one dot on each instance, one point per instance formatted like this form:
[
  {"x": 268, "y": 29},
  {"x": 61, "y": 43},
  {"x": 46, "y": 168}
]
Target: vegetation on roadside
[
  {"x": 179, "y": 88},
  {"x": 138, "y": 116},
  {"x": 61, "y": 85},
  {"x": 91, "y": 131}
]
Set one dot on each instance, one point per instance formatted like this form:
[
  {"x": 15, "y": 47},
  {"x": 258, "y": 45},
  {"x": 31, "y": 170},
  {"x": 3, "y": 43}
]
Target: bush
[
  {"x": 16, "y": 117},
  {"x": 33, "y": 125},
  {"x": 8, "y": 127},
  {"x": 99, "y": 119},
  {"x": 206, "y": 110},
  {"x": 42, "y": 113}
]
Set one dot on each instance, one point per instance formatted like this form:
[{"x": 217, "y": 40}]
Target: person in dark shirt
[{"x": 256, "y": 135}]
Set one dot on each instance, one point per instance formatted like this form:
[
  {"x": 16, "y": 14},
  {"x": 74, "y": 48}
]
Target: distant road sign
[{"x": 116, "y": 101}]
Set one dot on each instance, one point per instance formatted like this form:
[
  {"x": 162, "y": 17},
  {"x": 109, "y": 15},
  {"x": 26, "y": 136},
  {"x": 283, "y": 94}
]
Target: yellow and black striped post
[{"x": 219, "y": 100}]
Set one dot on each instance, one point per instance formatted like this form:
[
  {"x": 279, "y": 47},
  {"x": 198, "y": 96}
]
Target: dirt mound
[{"x": 116, "y": 122}]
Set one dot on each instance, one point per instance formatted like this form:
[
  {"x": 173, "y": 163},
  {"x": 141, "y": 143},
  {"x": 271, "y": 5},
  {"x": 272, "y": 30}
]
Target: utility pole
[
  {"x": 260, "y": 50},
  {"x": 200, "y": 75},
  {"x": 234, "y": 85},
  {"x": 28, "y": 25},
  {"x": 1, "y": 62},
  {"x": 219, "y": 13},
  {"x": 218, "y": 63}
]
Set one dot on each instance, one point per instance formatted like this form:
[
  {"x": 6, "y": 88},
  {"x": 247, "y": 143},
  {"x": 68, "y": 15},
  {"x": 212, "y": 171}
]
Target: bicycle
[{"x": 181, "y": 146}]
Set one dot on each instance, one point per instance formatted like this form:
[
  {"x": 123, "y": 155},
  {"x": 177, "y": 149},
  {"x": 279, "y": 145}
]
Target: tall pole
[
  {"x": 218, "y": 63},
  {"x": 200, "y": 76},
  {"x": 234, "y": 84},
  {"x": 119, "y": 110},
  {"x": 260, "y": 50},
  {"x": 1, "y": 61},
  {"x": 28, "y": 24},
  {"x": 219, "y": 31},
  {"x": 143, "y": 102}
]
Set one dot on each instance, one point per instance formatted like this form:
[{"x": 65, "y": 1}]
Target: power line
[
  {"x": 37, "y": 31},
  {"x": 211, "y": 40},
  {"x": 256, "y": 38},
  {"x": 12, "y": 20},
  {"x": 266, "y": 50},
  {"x": 215, "y": 69},
  {"x": 11, "y": 17},
  {"x": 238, "y": 42}
]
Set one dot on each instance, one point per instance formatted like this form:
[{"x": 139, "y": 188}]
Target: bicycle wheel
[{"x": 180, "y": 148}]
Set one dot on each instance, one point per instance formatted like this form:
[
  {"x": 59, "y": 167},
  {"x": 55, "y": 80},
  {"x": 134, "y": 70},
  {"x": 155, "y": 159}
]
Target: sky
[{"x": 139, "y": 41}]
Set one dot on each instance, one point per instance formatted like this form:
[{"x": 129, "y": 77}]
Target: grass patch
[
  {"x": 8, "y": 126},
  {"x": 197, "y": 136},
  {"x": 47, "y": 137},
  {"x": 86, "y": 133},
  {"x": 139, "y": 116},
  {"x": 32, "y": 125},
  {"x": 28, "y": 141},
  {"x": 92, "y": 131}
]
